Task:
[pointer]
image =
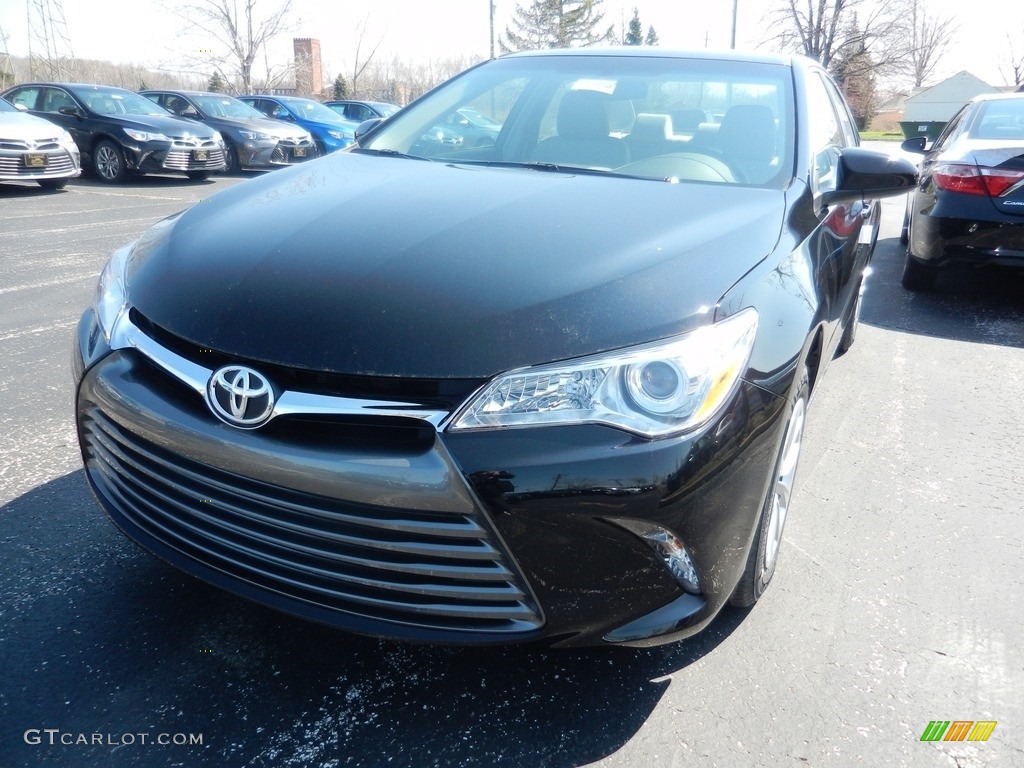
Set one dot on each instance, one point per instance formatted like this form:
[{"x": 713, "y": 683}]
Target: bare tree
[
  {"x": 926, "y": 37},
  {"x": 1014, "y": 63},
  {"x": 241, "y": 33},
  {"x": 359, "y": 64},
  {"x": 822, "y": 29}
]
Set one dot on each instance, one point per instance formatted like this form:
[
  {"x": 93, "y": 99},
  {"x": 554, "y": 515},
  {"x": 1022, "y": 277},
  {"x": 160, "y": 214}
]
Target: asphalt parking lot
[{"x": 897, "y": 601}]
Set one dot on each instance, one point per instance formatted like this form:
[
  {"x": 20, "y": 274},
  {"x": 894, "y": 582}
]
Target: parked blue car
[{"x": 330, "y": 131}]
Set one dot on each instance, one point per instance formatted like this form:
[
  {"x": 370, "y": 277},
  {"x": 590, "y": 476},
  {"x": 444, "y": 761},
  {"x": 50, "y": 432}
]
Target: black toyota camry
[
  {"x": 551, "y": 389},
  {"x": 968, "y": 207}
]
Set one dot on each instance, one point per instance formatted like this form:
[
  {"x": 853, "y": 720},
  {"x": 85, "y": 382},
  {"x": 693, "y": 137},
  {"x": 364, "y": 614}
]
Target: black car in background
[
  {"x": 968, "y": 206},
  {"x": 360, "y": 111},
  {"x": 251, "y": 140},
  {"x": 120, "y": 132},
  {"x": 552, "y": 389}
]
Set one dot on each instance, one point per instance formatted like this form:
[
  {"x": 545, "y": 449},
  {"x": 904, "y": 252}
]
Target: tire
[
  {"x": 905, "y": 230},
  {"x": 850, "y": 331},
  {"x": 52, "y": 184},
  {"x": 108, "y": 162},
  {"x": 764, "y": 550},
  {"x": 918, "y": 276},
  {"x": 198, "y": 175},
  {"x": 232, "y": 166}
]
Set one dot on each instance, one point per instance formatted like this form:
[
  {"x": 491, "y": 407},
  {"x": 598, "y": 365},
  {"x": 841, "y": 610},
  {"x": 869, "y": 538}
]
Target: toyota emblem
[{"x": 240, "y": 396}]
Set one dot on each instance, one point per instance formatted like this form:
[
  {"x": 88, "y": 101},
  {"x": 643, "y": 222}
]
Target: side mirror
[
  {"x": 20, "y": 107},
  {"x": 71, "y": 112},
  {"x": 864, "y": 173},
  {"x": 915, "y": 145},
  {"x": 366, "y": 126}
]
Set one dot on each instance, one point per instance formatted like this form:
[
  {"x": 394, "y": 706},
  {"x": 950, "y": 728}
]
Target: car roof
[
  {"x": 180, "y": 92},
  {"x": 1012, "y": 96},
  {"x": 648, "y": 52},
  {"x": 83, "y": 86}
]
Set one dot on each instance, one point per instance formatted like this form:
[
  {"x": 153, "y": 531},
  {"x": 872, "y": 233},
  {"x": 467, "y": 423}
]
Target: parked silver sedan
[{"x": 34, "y": 149}]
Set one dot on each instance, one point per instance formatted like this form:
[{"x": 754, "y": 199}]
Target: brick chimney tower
[{"x": 309, "y": 75}]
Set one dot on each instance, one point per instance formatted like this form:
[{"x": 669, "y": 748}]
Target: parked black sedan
[
  {"x": 251, "y": 140},
  {"x": 548, "y": 390},
  {"x": 968, "y": 206},
  {"x": 119, "y": 132}
]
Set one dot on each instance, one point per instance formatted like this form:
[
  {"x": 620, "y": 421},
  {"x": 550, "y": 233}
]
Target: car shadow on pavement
[
  {"x": 98, "y": 637},
  {"x": 982, "y": 305}
]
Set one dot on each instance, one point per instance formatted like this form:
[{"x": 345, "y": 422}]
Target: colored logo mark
[{"x": 958, "y": 730}]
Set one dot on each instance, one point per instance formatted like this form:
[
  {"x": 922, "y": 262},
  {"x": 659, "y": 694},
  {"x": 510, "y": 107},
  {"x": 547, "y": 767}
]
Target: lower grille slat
[{"x": 427, "y": 569}]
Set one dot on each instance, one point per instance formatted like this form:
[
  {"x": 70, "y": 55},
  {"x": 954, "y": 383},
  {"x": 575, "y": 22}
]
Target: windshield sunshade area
[{"x": 659, "y": 118}]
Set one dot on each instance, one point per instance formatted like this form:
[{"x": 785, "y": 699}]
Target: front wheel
[
  {"x": 108, "y": 162},
  {"x": 232, "y": 165},
  {"x": 764, "y": 551}
]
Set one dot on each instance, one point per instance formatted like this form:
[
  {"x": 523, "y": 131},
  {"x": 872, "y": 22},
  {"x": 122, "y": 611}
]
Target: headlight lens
[
  {"x": 111, "y": 292},
  {"x": 67, "y": 141},
  {"x": 112, "y": 289},
  {"x": 339, "y": 135},
  {"x": 145, "y": 135},
  {"x": 654, "y": 390},
  {"x": 255, "y": 135},
  {"x": 218, "y": 138}
]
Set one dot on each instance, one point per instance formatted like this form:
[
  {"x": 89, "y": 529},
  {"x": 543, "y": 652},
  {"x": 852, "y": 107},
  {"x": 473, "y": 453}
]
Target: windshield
[
  {"x": 226, "y": 106},
  {"x": 116, "y": 101},
  {"x": 658, "y": 117},
  {"x": 312, "y": 110}
]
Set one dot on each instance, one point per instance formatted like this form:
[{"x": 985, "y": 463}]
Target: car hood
[
  {"x": 388, "y": 266},
  {"x": 22, "y": 127},
  {"x": 169, "y": 125},
  {"x": 263, "y": 125}
]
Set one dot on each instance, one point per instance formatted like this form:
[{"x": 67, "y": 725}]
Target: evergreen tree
[
  {"x": 555, "y": 24},
  {"x": 652, "y": 36},
  {"x": 217, "y": 84},
  {"x": 340, "y": 87},
  {"x": 635, "y": 35}
]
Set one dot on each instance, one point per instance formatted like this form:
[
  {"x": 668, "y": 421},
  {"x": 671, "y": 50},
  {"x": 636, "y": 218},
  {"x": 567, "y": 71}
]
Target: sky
[{"x": 145, "y": 32}]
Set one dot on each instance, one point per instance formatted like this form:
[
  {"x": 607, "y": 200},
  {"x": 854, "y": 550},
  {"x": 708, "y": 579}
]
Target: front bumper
[
  {"x": 20, "y": 162},
  {"x": 175, "y": 157},
  {"x": 271, "y": 153},
  {"x": 468, "y": 538}
]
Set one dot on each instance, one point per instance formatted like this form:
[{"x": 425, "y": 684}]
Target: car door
[
  {"x": 80, "y": 126},
  {"x": 838, "y": 248}
]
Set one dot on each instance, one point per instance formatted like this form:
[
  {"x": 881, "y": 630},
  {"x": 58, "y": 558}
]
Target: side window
[
  {"x": 159, "y": 98},
  {"x": 55, "y": 98},
  {"x": 26, "y": 97},
  {"x": 825, "y": 132},
  {"x": 842, "y": 109},
  {"x": 952, "y": 127}
]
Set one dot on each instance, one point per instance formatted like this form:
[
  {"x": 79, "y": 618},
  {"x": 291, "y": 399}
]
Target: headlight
[
  {"x": 145, "y": 135},
  {"x": 255, "y": 135},
  {"x": 654, "y": 390},
  {"x": 218, "y": 138},
  {"x": 112, "y": 290},
  {"x": 339, "y": 135},
  {"x": 66, "y": 140}
]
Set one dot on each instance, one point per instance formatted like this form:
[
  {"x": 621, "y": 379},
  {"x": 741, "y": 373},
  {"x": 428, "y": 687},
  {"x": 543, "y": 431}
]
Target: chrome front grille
[
  {"x": 58, "y": 163},
  {"x": 182, "y": 159},
  {"x": 436, "y": 570},
  {"x": 43, "y": 145}
]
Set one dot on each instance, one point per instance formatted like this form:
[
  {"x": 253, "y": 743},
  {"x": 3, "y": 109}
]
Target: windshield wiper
[
  {"x": 391, "y": 153},
  {"x": 534, "y": 165}
]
